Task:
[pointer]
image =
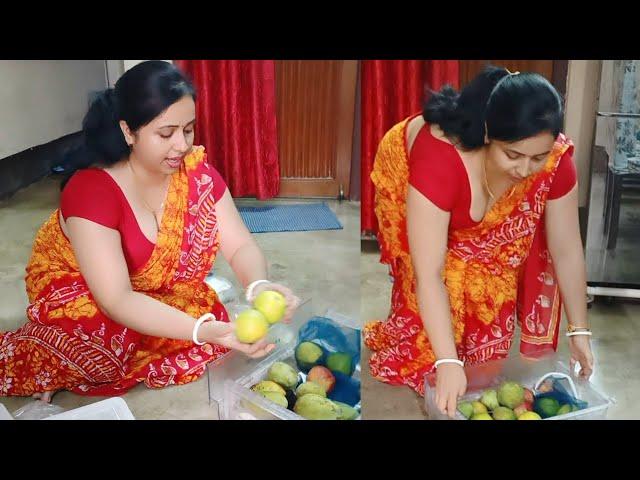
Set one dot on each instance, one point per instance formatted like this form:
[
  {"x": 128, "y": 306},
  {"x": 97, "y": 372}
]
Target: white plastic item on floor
[
  {"x": 110, "y": 409},
  {"x": 4, "y": 413},
  {"x": 227, "y": 293},
  {"x": 37, "y": 410}
]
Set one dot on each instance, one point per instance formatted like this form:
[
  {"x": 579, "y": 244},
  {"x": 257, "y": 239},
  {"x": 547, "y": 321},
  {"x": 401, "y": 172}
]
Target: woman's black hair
[
  {"x": 512, "y": 106},
  {"x": 140, "y": 95}
]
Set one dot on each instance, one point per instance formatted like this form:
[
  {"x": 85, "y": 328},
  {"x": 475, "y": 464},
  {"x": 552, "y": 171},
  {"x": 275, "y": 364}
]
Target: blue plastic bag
[
  {"x": 562, "y": 394},
  {"x": 332, "y": 337}
]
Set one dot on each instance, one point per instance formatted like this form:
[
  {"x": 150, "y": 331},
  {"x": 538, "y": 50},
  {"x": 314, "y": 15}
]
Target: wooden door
[{"x": 315, "y": 108}]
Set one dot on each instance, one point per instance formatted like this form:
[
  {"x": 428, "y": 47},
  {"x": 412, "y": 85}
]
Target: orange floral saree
[
  {"x": 69, "y": 344},
  {"x": 495, "y": 272}
]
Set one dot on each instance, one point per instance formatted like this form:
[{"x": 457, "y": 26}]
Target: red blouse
[
  {"x": 94, "y": 195},
  {"x": 436, "y": 170}
]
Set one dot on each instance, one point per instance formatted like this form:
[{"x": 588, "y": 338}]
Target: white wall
[
  {"x": 132, "y": 63},
  {"x": 42, "y": 100},
  {"x": 583, "y": 86},
  {"x": 115, "y": 69}
]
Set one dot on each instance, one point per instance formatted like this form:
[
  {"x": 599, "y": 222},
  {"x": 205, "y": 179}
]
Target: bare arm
[
  {"x": 237, "y": 244},
  {"x": 427, "y": 228},
  {"x": 565, "y": 246},
  {"x": 245, "y": 256},
  {"x": 102, "y": 264}
]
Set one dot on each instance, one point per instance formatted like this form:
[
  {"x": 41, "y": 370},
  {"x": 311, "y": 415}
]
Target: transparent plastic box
[
  {"x": 240, "y": 403},
  {"x": 234, "y": 364},
  {"x": 231, "y": 377},
  {"x": 527, "y": 372}
]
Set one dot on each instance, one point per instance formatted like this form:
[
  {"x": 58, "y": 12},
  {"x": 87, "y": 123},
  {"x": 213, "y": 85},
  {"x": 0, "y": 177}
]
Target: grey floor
[
  {"x": 321, "y": 265},
  {"x": 615, "y": 344}
]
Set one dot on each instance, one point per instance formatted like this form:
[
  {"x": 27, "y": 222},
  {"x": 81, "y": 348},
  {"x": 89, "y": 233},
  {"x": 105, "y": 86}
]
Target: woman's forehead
[
  {"x": 180, "y": 112},
  {"x": 536, "y": 145}
]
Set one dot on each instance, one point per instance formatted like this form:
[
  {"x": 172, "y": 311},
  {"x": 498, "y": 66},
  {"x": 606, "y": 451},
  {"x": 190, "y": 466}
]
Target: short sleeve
[
  {"x": 91, "y": 194},
  {"x": 219, "y": 185},
  {"x": 433, "y": 171},
  {"x": 565, "y": 177}
]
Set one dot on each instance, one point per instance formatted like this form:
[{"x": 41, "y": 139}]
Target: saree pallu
[
  {"x": 69, "y": 344},
  {"x": 496, "y": 273}
]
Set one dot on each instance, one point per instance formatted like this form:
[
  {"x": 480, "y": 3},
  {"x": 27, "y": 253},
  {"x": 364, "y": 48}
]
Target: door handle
[{"x": 618, "y": 115}]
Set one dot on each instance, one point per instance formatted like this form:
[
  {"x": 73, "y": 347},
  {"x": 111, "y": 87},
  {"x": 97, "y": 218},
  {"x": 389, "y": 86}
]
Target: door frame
[{"x": 298, "y": 187}]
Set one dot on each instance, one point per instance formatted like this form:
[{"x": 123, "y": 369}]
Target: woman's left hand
[
  {"x": 292, "y": 301},
  {"x": 580, "y": 347}
]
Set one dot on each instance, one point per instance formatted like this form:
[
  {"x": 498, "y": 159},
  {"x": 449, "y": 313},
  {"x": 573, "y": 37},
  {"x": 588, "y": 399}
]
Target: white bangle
[
  {"x": 199, "y": 322},
  {"x": 571, "y": 334},
  {"x": 449, "y": 360},
  {"x": 250, "y": 288}
]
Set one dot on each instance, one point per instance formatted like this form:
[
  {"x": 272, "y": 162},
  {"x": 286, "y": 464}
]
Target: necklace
[
  {"x": 147, "y": 206},
  {"x": 486, "y": 182}
]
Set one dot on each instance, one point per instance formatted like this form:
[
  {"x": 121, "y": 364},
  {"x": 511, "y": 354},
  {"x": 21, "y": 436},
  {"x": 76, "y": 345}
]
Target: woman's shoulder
[
  {"x": 89, "y": 178},
  {"x": 431, "y": 149},
  {"x": 434, "y": 169},
  {"x": 92, "y": 194},
  {"x": 564, "y": 141},
  {"x": 197, "y": 164},
  {"x": 196, "y": 157}
]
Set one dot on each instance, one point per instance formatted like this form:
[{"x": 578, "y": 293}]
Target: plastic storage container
[
  {"x": 527, "y": 372},
  {"x": 234, "y": 365},
  {"x": 110, "y": 409},
  {"x": 240, "y": 403},
  {"x": 231, "y": 377}
]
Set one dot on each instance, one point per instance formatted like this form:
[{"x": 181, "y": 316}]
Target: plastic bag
[
  {"x": 332, "y": 338},
  {"x": 227, "y": 293},
  {"x": 557, "y": 387},
  {"x": 37, "y": 410}
]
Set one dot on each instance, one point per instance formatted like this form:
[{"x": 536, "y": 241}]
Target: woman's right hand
[
  {"x": 292, "y": 301},
  {"x": 223, "y": 333},
  {"x": 451, "y": 383}
]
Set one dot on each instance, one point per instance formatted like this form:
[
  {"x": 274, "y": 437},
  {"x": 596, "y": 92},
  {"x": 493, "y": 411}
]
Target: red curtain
[
  {"x": 236, "y": 122},
  {"x": 391, "y": 91}
]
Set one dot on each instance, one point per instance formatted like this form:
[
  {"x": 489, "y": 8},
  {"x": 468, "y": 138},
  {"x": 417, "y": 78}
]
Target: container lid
[
  {"x": 4, "y": 413},
  {"x": 114, "y": 408}
]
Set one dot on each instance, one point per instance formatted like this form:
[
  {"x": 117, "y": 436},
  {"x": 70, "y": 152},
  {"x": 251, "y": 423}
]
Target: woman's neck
[
  {"x": 142, "y": 176},
  {"x": 497, "y": 178}
]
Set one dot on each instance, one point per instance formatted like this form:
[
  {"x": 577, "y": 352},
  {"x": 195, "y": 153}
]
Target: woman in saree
[
  {"x": 116, "y": 276},
  {"x": 477, "y": 203}
]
